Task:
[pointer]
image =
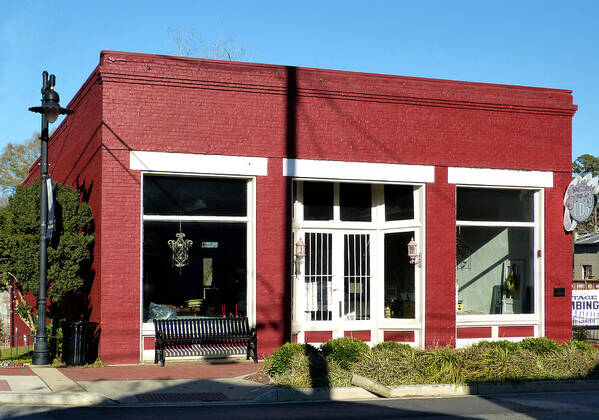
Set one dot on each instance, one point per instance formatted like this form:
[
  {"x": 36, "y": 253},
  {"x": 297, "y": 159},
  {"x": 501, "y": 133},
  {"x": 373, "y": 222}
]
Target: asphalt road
[{"x": 581, "y": 405}]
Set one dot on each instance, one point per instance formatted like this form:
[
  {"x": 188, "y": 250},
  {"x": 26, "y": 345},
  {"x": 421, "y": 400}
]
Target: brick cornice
[
  {"x": 182, "y": 72},
  {"x": 109, "y": 77}
]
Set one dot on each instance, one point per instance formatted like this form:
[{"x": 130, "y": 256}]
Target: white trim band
[
  {"x": 362, "y": 171},
  {"x": 195, "y": 163},
  {"x": 500, "y": 177}
]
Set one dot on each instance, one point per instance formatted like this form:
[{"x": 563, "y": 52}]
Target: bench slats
[{"x": 204, "y": 336}]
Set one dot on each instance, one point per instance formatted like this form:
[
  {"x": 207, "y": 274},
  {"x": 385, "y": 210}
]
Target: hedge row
[{"x": 389, "y": 363}]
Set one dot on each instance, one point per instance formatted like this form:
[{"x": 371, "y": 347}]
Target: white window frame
[
  {"x": 536, "y": 318},
  {"x": 377, "y": 227},
  {"x": 147, "y": 328},
  {"x": 584, "y": 274}
]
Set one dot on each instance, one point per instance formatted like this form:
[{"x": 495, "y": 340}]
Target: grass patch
[{"x": 17, "y": 354}]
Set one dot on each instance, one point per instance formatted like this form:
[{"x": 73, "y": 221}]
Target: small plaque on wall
[{"x": 559, "y": 291}]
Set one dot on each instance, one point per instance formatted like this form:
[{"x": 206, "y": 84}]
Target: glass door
[
  {"x": 337, "y": 277},
  {"x": 318, "y": 277},
  {"x": 356, "y": 276}
]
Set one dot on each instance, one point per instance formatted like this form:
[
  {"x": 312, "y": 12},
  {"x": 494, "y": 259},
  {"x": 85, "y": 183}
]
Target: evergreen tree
[{"x": 69, "y": 249}]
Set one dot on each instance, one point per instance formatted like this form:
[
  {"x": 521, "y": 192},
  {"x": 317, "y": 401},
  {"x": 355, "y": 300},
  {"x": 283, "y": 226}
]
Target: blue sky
[{"x": 533, "y": 43}]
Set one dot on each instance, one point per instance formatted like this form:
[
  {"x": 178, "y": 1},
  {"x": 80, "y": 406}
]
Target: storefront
[{"x": 291, "y": 195}]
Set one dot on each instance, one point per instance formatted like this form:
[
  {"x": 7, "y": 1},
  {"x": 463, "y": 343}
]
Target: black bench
[{"x": 204, "y": 337}]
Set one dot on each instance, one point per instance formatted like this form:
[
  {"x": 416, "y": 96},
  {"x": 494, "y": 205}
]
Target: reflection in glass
[
  {"x": 318, "y": 200},
  {"x": 399, "y": 277},
  {"x": 355, "y": 202},
  {"x": 399, "y": 202},
  {"x": 495, "y": 270},
  {"x": 189, "y": 196},
  {"x": 212, "y": 284},
  {"x": 484, "y": 204}
]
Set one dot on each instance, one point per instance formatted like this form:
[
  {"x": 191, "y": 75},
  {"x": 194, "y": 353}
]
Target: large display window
[
  {"x": 495, "y": 245},
  {"x": 195, "y": 247}
]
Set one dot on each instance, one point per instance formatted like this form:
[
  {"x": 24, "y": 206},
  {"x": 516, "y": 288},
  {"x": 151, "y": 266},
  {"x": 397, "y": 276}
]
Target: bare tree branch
[{"x": 224, "y": 48}]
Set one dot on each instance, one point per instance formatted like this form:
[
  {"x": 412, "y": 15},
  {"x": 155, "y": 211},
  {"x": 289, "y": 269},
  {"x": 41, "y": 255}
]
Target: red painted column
[
  {"x": 273, "y": 281},
  {"x": 558, "y": 262},
  {"x": 440, "y": 322}
]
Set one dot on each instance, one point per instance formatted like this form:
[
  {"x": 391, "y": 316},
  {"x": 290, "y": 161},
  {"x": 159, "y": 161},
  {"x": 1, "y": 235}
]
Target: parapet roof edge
[
  {"x": 334, "y": 84},
  {"x": 194, "y": 60}
]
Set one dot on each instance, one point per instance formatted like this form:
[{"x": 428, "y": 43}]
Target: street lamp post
[{"x": 50, "y": 111}]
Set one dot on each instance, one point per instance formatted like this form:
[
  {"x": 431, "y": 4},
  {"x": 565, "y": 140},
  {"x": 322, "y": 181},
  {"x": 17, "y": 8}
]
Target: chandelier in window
[{"x": 180, "y": 249}]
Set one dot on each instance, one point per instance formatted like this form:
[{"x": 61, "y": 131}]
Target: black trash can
[{"x": 78, "y": 341}]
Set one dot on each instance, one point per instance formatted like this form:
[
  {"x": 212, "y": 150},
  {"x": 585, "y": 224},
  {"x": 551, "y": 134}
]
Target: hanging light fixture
[
  {"x": 413, "y": 254},
  {"x": 180, "y": 249}
]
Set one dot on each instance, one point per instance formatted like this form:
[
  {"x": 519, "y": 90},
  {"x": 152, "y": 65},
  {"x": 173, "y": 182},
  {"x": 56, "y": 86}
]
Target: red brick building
[{"x": 239, "y": 161}]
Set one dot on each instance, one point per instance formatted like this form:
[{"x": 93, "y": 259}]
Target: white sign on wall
[
  {"x": 579, "y": 200},
  {"x": 585, "y": 307}
]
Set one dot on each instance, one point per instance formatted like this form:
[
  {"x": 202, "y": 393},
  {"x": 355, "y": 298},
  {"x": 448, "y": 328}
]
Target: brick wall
[
  {"x": 156, "y": 103},
  {"x": 440, "y": 286},
  {"x": 558, "y": 263}
]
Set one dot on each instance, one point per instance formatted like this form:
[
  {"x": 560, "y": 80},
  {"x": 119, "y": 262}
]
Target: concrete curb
[
  {"x": 431, "y": 390},
  {"x": 56, "y": 398},
  {"x": 276, "y": 395},
  {"x": 315, "y": 394}
]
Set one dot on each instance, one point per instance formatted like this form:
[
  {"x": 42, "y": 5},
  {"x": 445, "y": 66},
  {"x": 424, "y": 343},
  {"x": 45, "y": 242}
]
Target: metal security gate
[
  {"x": 356, "y": 284},
  {"x": 318, "y": 277},
  {"x": 337, "y": 276}
]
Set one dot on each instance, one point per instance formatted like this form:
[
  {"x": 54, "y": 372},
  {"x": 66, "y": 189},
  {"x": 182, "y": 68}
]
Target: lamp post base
[{"x": 41, "y": 354}]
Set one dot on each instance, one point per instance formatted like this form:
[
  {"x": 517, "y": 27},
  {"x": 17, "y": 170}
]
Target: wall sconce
[
  {"x": 300, "y": 253},
  {"x": 415, "y": 256}
]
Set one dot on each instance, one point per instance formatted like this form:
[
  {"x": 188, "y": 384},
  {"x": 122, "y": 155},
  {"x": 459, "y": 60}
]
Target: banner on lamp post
[{"x": 50, "y": 221}]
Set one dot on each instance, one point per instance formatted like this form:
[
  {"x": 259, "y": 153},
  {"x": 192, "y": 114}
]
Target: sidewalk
[
  {"x": 205, "y": 382},
  {"x": 177, "y": 382}
]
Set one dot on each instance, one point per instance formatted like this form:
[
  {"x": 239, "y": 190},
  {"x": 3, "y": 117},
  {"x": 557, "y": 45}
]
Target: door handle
[{"x": 340, "y": 310}]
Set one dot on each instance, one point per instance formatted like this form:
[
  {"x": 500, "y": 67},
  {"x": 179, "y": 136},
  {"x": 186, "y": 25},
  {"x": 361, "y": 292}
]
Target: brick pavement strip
[
  {"x": 4, "y": 386},
  {"x": 154, "y": 372}
]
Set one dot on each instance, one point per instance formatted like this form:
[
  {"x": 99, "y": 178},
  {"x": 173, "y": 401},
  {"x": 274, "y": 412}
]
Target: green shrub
[
  {"x": 280, "y": 361},
  {"x": 344, "y": 351},
  {"x": 313, "y": 371},
  {"x": 572, "y": 361},
  {"x": 487, "y": 362},
  {"x": 300, "y": 365},
  {"x": 389, "y": 367},
  {"x": 442, "y": 365},
  {"x": 540, "y": 345},
  {"x": 501, "y": 344},
  {"x": 581, "y": 346},
  {"x": 580, "y": 334},
  {"x": 392, "y": 346}
]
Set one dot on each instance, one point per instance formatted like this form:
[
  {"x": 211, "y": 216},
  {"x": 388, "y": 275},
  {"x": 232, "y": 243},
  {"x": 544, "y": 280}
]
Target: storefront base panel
[
  {"x": 360, "y": 335},
  {"x": 149, "y": 343},
  {"x": 468, "y": 336},
  {"x": 399, "y": 336},
  {"x": 371, "y": 337},
  {"x": 517, "y": 331},
  {"x": 474, "y": 332},
  {"x": 317, "y": 336}
]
